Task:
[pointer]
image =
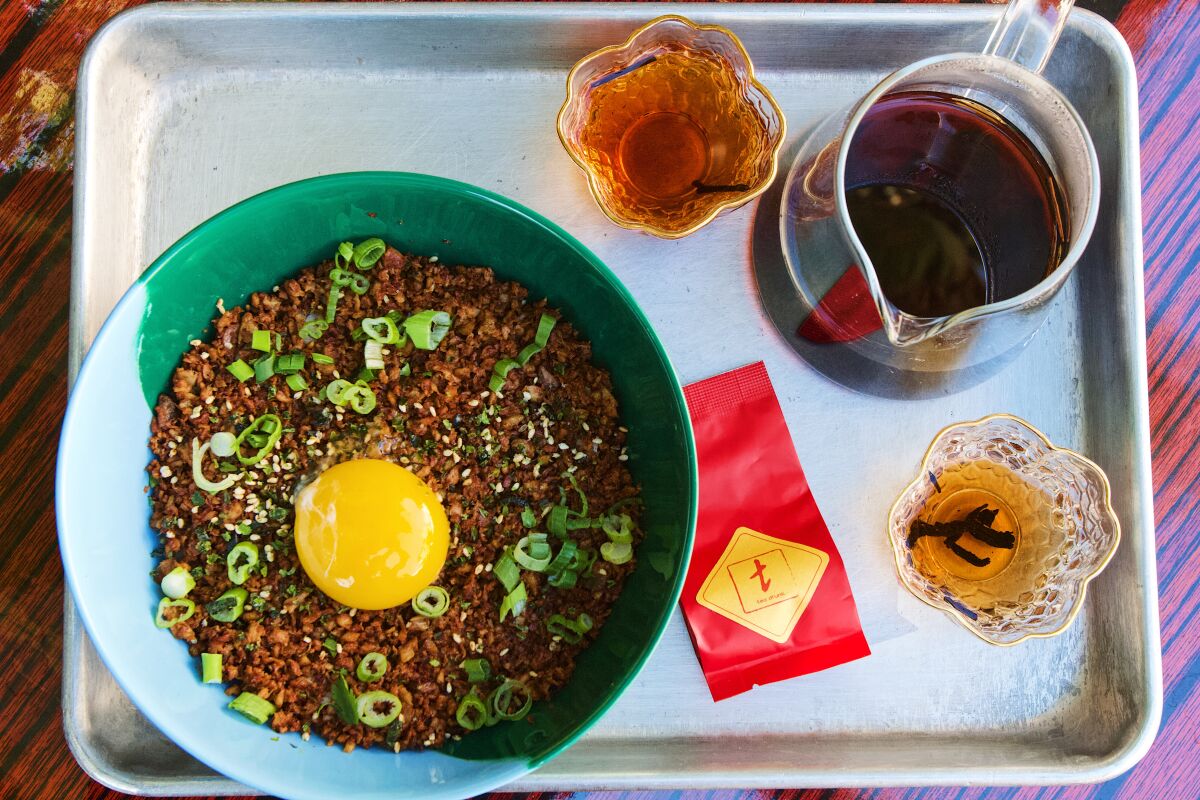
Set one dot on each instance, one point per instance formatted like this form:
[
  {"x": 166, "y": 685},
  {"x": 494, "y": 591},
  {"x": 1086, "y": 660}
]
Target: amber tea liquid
[
  {"x": 671, "y": 132},
  {"x": 1023, "y": 510},
  {"x": 954, "y": 205}
]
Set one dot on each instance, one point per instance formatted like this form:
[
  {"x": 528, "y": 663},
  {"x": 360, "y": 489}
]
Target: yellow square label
[{"x": 763, "y": 583}]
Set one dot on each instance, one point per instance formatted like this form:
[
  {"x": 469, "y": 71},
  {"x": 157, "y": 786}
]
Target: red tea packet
[{"x": 766, "y": 596}]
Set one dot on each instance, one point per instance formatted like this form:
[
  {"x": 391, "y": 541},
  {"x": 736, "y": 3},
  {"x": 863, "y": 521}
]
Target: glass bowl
[
  {"x": 719, "y": 129},
  {"x": 1056, "y": 501}
]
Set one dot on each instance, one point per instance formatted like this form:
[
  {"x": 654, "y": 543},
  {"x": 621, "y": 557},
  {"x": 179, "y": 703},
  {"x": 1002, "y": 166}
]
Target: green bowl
[{"x": 253, "y": 246}]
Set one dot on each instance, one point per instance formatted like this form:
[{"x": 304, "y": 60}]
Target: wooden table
[{"x": 40, "y": 46}]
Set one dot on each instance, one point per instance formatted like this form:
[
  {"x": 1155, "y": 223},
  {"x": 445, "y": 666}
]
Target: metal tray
[{"x": 184, "y": 110}]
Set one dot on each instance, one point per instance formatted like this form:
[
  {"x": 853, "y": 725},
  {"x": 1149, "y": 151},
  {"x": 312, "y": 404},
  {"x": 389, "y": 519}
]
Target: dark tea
[{"x": 954, "y": 205}]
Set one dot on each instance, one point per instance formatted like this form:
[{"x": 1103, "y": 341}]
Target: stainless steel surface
[{"x": 185, "y": 110}]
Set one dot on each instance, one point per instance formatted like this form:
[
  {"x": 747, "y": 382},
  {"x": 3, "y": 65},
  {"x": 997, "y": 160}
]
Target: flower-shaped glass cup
[
  {"x": 671, "y": 127},
  {"x": 1058, "y": 502}
]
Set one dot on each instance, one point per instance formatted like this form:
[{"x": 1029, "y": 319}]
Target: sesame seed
[
  {"x": 204, "y": 356},
  {"x": 229, "y": 526},
  {"x": 484, "y": 395},
  {"x": 466, "y": 482},
  {"x": 487, "y": 568},
  {"x": 472, "y": 403},
  {"x": 563, "y": 446},
  {"x": 585, "y": 426},
  {"x": 449, "y": 688},
  {"x": 580, "y": 455},
  {"x": 504, "y": 652},
  {"x": 597, "y": 440},
  {"x": 195, "y": 342},
  {"x": 170, "y": 535},
  {"x": 447, "y": 453},
  {"x": 339, "y": 648},
  {"x": 308, "y": 640},
  {"x": 174, "y": 481},
  {"x": 622, "y": 457},
  {"x": 478, "y": 568},
  {"x": 195, "y": 509},
  {"x": 457, "y": 639},
  {"x": 418, "y": 406},
  {"x": 254, "y": 537},
  {"x": 165, "y": 471},
  {"x": 196, "y": 412},
  {"x": 432, "y": 260}
]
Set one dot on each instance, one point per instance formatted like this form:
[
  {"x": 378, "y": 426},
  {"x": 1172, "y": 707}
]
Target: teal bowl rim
[{"x": 417, "y": 181}]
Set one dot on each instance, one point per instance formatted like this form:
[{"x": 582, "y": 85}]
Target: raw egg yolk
[{"x": 370, "y": 534}]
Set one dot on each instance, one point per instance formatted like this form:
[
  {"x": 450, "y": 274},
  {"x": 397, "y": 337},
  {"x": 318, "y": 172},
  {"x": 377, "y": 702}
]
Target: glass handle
[{"x": 1028, "y": 31}]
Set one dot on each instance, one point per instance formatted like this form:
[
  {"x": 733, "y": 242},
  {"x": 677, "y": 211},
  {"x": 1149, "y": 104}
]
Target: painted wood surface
[{"x": 40, "y": 45}]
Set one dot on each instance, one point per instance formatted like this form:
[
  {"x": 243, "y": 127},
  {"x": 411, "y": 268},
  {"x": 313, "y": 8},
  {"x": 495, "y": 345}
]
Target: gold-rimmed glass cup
[
  {"x": 1057, "y": 504},
  {"x": 671, "y": 127}
]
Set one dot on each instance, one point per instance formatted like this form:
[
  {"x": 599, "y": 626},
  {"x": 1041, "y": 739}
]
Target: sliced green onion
[
  {"x": 313, "y": 329},
  {"x": 264, "y": 368},
  {"x": 507, "y": 572},
  {"x": 261, "y": 340},
  {"x": 571, "y": 631},
  {"x": 514, "y": 602},
  {"x": 289, "y": 364},
  {"x": 502, "y": 698},
  {"x": 373, "y": 355},
  {"x": 584, "y": 559},
  {"x": 500, "y": 372},
  {"x": 616, "y": 552},
  {"x": 343, "y": 254},
  {"x": 241, "y": 370},
  {"x": 224, "y": 444},
  {"x": 344, "y": 702},
  {"x": 242, "y": 558},
  {"x": 210, "y": 668},
  {"x": 472, "y": 712},
  {"x": 321, "y": 358},
  {"x": 406, "y": 370},
  {"x": 368, "y": 251},
  {"x": 372, "y": 667},
  {"x": 336, "y": 391},
  {"x": 365, "y": 375},
  {"x": 252, "y": 707},
  {"x": 177, "y": 583},
  {"x": 583, "y": 510},
  {"x": 262, "y": 433},
  {"x": 528, "y": 518},
  {"x": 618, "y": 528},
  {"x": 432, "y": 601},
  {"x": 359, "y": 283},
  {"x": 363, "y": 401},
  {"x": 377, "y": 709},
  {"x": 427, "y": 328},
  {"x": 563, "y": 579},
  {"x": 228, "y": 607},
  {"x": 531, "y": 553},
  {"x": 565, "y": 557},
  {"x": 160, "y": 616},
  {"x": 478, "y": 669},
  {"x": 335, "y": 294},
  {"x": 297, "y": 382},
  {"x": 339, "y": 276},
  {"x": 203, "y": 483},
  {"x": 545, "y": 326},
  {"x": 381, "y": 329},
  {"x": 556, "y": 523}
]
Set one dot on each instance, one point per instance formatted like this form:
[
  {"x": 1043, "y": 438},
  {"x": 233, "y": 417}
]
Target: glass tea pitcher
[{"x": 929, "y": 225}]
